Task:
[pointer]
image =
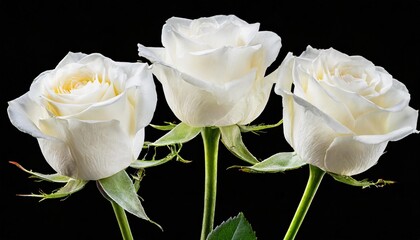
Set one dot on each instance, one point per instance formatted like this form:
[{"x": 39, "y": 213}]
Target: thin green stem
[
  {"x": 315, "y": 178},
  {"x": 211, "y": 137},
  {"x": 122, "y": 221}
]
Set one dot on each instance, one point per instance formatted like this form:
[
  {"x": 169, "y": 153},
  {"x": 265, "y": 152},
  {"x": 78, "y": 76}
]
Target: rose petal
[
  {"x": 185, "y": 35},
  {"x": 87, "y": 150},
  {"x": 196, "y": 102},
  {"x": 285, "y": 75},
  {"x": 177, "y": 44},
  {"x": 138, "y": 142},
  {"x": 271, "y": 43},
  {"x": 308, "y": 130},
  {"x": 227, "y": 92},
  {"x": 117, "y": 108},
  {"x": 387, "y": 126},
  {"x": 71, "y": 57},
  {"x": 252, "y": 105},
  {"x": 312, "y": 90},
  {"x": 153, "y": 54},
  {"x": 347, "y": 156},
  {"x": 219, "y": 66},
  {"x": 143, "y": 100},
  {"x": 24, "y": 114},
  {"x": 357, "y": 104},
  {"x": 395, "y": 99}
]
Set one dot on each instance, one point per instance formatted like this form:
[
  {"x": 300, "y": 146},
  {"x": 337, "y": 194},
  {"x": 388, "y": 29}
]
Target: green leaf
[
  {"x": 121, "y": 190},
  {"x": 47, "y": 177},
  {"x": 360, "y": 183},
  {"x": 72, "y": 186},
  {"x": 259, "y": 127},
  {"x": 232, "y": 139},
  {"x": 279, "y": 162},
  {"x": 237, "y": 228},
  {"x": 180, "y": 134}
]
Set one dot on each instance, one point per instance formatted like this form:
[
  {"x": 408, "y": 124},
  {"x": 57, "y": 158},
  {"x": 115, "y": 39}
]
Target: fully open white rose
[
  {"x": 212, "y": 69},
  {"x": 88, "y": 114},
  {"x": 343, "y": 110}
]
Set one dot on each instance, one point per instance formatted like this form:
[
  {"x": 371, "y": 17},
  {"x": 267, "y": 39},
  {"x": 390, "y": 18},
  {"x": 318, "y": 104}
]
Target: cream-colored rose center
[
  {"x": 74, "y": 84},
  {"x": 78, "y": 90}
]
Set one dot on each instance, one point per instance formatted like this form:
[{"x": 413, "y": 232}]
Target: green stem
[
  {"x": 315, "y": 177},
  {"x": 122, "y": 221},
  {"x": 211, "y": 138}
]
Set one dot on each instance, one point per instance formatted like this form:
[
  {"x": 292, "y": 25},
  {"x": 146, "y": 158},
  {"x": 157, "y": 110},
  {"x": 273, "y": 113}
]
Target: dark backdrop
[{"x": 36, "y": 36}]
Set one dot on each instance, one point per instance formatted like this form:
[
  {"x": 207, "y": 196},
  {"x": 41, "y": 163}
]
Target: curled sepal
[
  {"x": 72, "y": 186},
  {"x": 259, "y": 127},
  {"x": 137, "y": 178},
  {"x": 143, "y": 163},
  {"x": 180, "y": 134},
  {"x": 120, "y": 189},
  {"x": 232, "y": 139},
  {"x": 360, "y": 183},
  {"x": 278, "y": 162},
  {"x": 236, "y": 228},
  {"x": 169, "y": 126},
  {"x": 47, "y": 177}
]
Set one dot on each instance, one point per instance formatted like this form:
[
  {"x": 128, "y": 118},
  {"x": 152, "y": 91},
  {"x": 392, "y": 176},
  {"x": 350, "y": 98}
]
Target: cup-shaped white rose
[
  {"x": 212, "y": 69},
  {"x": 343, "y": 110},
  {"x": 88, "y": 114}
]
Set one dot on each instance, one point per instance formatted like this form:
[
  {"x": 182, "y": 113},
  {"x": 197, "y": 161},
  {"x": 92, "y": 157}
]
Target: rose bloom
[
  {"x": 342, "y": 110},
  {"x": 88, "y": 114},
  {"x": 212, "y": 69}
]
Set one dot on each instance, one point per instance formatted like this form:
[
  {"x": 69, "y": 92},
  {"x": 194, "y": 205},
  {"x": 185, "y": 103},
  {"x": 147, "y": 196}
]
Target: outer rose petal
[
  {"x": 347, "y": 156},
  {"x": 86, "y": 150},
  {"x": 308, "y": 130},
  {"x": 199, "y": 103},
  {"x": 154, "y": 54},
  {"x": 24, "y": 114},
  {"x": 71, "y": 57},
  {"x": 284, "y": 78},
  {"x": 138, "y": 142},
  {"x": 251, "y": 106},
  {"x": 144, "y": 100},
  {"x": 271, "y": 43}
]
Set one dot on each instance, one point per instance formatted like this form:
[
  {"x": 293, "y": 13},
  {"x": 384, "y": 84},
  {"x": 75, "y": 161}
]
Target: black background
[{"x": 36, "y": 36}]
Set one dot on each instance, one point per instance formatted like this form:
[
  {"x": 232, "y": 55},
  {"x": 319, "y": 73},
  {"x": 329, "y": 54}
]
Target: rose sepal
[
  {"x": 58, "y": 178},
  {"x": 364, "y": 183},
  {"x": 179, "y": 134},
  {"x": 278, "y": 162},
  {"x": 71, "y": 186},
  {"x": 169, "y": 126},
  {"x": 259, "y": 127},
  {"x": 121, "y": 189},
  {"x": 174, "y": 153},
  {"x": 232, "y": 139}
]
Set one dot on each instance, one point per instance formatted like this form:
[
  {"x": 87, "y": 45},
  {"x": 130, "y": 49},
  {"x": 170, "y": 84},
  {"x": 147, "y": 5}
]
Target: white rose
[
  {"x": 343, "y": 110},
  {"x": 88, "y": 114},
  {"x": 212, "y": 69}
]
